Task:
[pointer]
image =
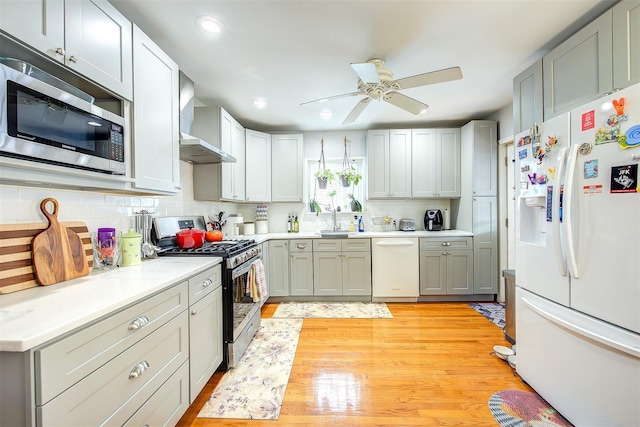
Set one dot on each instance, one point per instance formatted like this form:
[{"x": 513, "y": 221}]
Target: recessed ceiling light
[
  {"x": 210, "y": 24},
  {"x": 326, "y": 114},
  {"x": 260, "y": 103}
]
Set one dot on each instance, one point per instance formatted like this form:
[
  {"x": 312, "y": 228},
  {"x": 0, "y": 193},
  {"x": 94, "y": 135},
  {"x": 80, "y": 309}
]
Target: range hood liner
[{"x": 195, "y": 150}]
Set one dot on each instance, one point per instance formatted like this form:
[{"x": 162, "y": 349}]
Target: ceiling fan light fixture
[{"x": 210, "y": 24}]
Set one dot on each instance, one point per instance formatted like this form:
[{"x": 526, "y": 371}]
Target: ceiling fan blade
[
  {"x": 344, "y": 95},
  {"x": 445, "y": 75},
  {"x": 359, "y": 108},
  {"x": 404, "y": 102},
  {"x": 367, "y": 72}
]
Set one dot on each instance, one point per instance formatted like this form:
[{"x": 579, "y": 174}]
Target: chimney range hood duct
[{"x": 192, "y": 148}]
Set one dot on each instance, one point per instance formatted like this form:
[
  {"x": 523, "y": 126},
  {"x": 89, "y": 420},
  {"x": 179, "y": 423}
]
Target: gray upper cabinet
[
  {"x": 63, "y": 30},
  {"x": 435, "y": 168},
  {"x": 527, "y": 98},
  {"x": 626, "y": 43},
  {"x": 287, "y": 159},
  {"x": 257, "y": 166},
  {"x": 389, "y": 158},
  {"x": 580, "y": 69}
]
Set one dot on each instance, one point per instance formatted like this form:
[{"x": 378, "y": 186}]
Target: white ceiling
[{"x": 289, "y": 52}]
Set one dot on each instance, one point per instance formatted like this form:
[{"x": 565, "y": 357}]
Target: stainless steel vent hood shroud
[{"x": 192, "y": 148}]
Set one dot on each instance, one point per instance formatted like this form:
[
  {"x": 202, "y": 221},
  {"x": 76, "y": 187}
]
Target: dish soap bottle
[
  {"x": 360, "y": 225},
  {"x": 352, "y": 225}
]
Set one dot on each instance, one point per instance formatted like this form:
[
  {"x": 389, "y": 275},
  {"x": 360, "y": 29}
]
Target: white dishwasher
[{"x": 395, "y": 263}]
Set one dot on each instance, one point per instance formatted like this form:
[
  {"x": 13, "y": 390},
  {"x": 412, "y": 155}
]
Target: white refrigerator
[{"x": 578, "y": 260}]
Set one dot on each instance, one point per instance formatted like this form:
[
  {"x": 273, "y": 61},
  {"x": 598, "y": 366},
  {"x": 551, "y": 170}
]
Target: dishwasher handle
[{"x": 399, "y": 243}]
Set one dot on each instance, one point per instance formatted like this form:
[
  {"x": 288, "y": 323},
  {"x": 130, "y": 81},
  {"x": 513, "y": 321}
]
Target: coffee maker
[{"x": 433, "y": 220}]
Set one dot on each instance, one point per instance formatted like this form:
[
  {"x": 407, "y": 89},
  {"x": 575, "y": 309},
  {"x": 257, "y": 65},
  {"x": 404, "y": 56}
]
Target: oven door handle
[{"x": 243, "y": 268}]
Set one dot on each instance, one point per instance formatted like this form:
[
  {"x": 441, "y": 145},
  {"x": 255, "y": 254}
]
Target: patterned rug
[
  {"x": 255, "y": 388},
  {"x": 333, "y": 310},
  {"x": 494, "y": 311},
  {"x": 518, "y": 408}
]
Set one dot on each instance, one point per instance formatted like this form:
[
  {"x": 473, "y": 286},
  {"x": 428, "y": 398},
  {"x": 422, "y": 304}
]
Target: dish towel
[{"x": 261, "y": 279}]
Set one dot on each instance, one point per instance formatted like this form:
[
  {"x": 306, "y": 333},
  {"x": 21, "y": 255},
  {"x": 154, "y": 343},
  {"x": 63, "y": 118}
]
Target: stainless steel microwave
[{"x": 44, "y": 123}]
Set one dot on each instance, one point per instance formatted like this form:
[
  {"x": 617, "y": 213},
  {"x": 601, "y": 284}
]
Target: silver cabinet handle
[
  {"x": 138, "y": 369},
  {"x": 207, "y": 283},
  {"x": 301, "y": 246},
  {"x": 73, "y": 59},
  {"x": 138, "y": 323},
  {"x": 60, "y": 51},
  {"x": 446, "y": 244}
]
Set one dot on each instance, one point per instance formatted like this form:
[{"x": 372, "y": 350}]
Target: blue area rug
[{"x": 493, "y": 311}]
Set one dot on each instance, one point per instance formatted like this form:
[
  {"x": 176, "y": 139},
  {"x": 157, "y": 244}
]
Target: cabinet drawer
[
  {"x": 300, "y": 245},
  {"x": 204, "y": 283},
  {"x": 67, "y": 361},
  {"x": 356, "y": 245},
  {"x": 168, "y": 404},
  {"x": 448, "y": 242},
  {"x": 118, "y": 388},
  {"x": 327, "y": 245}
]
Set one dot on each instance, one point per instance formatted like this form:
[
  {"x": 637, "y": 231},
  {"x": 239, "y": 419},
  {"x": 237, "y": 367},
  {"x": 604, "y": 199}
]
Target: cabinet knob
[
  {"x": 60, "y": 51},
  {"x": 138, "y": 323},
  {"x": 73, "y": 59},
  {"x": 138, "y": 369},
  {"x": 301, "y": 246},
  {"x": 194, "y": 312},
  {"x": 207, "y": 283}
]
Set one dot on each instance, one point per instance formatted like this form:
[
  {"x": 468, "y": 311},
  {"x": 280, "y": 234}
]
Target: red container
[{"x": 188, "y": 239}]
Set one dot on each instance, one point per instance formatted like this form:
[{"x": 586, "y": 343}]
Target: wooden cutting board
[
  {"x": 16, "y": 265},
  {"x": 57, "y": 252}
]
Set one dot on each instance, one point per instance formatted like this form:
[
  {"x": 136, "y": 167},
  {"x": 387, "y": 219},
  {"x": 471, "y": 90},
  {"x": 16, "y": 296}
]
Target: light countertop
[
  {"x": 34, "y": 316},
  {"x": 366, "y": 235}
]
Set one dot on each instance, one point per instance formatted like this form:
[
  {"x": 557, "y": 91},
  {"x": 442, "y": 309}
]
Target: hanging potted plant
[
  {"x": 323, "y": 175},
  {"x": 356, "y": 206},
  {"x": 314, "y": 206},
  {"x": 347, "y": 175}
]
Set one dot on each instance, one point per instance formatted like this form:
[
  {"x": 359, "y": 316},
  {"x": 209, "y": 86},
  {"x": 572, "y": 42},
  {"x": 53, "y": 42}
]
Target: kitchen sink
[{"x": 330, "y": 234}]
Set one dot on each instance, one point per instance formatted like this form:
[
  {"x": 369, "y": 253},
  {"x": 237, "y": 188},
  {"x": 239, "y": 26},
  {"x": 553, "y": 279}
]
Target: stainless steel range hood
[{"x": 192, "y": 148}]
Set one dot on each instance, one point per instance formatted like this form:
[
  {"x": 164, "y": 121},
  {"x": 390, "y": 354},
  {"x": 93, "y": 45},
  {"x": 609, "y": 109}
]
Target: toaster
[{"x": 407, "y": 224}]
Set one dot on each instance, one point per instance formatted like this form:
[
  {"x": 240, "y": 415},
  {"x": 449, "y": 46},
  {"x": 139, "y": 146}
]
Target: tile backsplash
[{"x": 21, "y": 204}]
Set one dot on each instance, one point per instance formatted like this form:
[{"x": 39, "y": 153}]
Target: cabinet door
[
  {"x": 459, "y": 272},
  {"x": 39, "y": 24},
  {"x": 485, "y": 245},
  {"x": 448, "y": 162},
  {"x": 301, "y": 273},
  {"x": 104, "y": 56},
  {"x": 232, "y": 140},
  {"x": 580, "y": 69},
  {"x": 483, "y": 134},
  {"x": 327, "y": 273},
  {"x": 238, "y": 151},
  {"x": 378, "y": 161},
  {"x": 356, "y": 273},
  {"x": 399, "y": 163},
  {"x": 205, "y": 340},
  {"x": 626, "y": 43},
  {"x": 287, "y": 159},
  {"x": 433, "y": 273},
  {"x": 278, "y": 266},
  {"x": 258, "y": 166},
  {"x": 156, "y": 135},
  {"x": 527, "y": 98},
  {"x": 424, "y": 163}
]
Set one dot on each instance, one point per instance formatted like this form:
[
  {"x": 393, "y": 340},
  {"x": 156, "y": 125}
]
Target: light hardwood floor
[{"x": 428, "y": 366}]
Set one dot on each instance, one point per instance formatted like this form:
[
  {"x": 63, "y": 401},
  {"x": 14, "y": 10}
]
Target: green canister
[{"x": 131, "y": 248}]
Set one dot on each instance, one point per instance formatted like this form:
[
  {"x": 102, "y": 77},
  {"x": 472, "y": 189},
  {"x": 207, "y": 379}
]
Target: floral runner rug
[
  {"x": 333, "y": 310},
  {"x": 518, "y": 408},
  {"x": 493, "y": 311},
  {"x": 255, "y": 388}
]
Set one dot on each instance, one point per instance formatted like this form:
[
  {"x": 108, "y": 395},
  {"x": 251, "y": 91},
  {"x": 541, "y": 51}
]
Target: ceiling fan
[{"x": 376, "y": 83}]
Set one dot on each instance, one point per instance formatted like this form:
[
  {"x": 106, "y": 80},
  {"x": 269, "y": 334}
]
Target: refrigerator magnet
[
  {"x": 549, "y": 203},
  {"x": 624, "y": 179},
  {"x": 522, "y": 154},
  {"x": 524, "y": 140},
  {"x": 590, "y": 169},
  {"x": 631, "y": 138}
]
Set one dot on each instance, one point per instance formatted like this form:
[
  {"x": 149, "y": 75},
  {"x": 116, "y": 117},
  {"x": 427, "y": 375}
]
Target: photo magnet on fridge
[
  {"x": 624, "y": 179},
  {"x": 591, "y": 169}
]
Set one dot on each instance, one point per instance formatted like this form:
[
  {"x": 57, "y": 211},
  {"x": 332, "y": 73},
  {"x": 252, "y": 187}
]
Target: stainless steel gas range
[{"x": 241, "y": 315}]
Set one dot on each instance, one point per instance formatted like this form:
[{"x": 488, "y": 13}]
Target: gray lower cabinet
[
  {"x": 342, "y": 267},
  {"x": 278, "y": 267},
  {"x": 205, "y": 328},
  {"x": 485, "y": 245},
  {"x": 301, "y": 267},
  {"x": 109, "y": 371},
  {"x": 446, "y": 266}
]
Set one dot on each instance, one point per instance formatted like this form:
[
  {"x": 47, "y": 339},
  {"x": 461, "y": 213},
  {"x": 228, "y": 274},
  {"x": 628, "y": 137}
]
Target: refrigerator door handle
[
  {"x": 567, "y": 212},
  {"x": 633, "y": 351},
  {"x": 555, "y": 208}
]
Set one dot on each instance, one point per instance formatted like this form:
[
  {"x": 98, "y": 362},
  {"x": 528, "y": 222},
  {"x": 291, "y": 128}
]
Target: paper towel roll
[{"x": 447, "y": 220}]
